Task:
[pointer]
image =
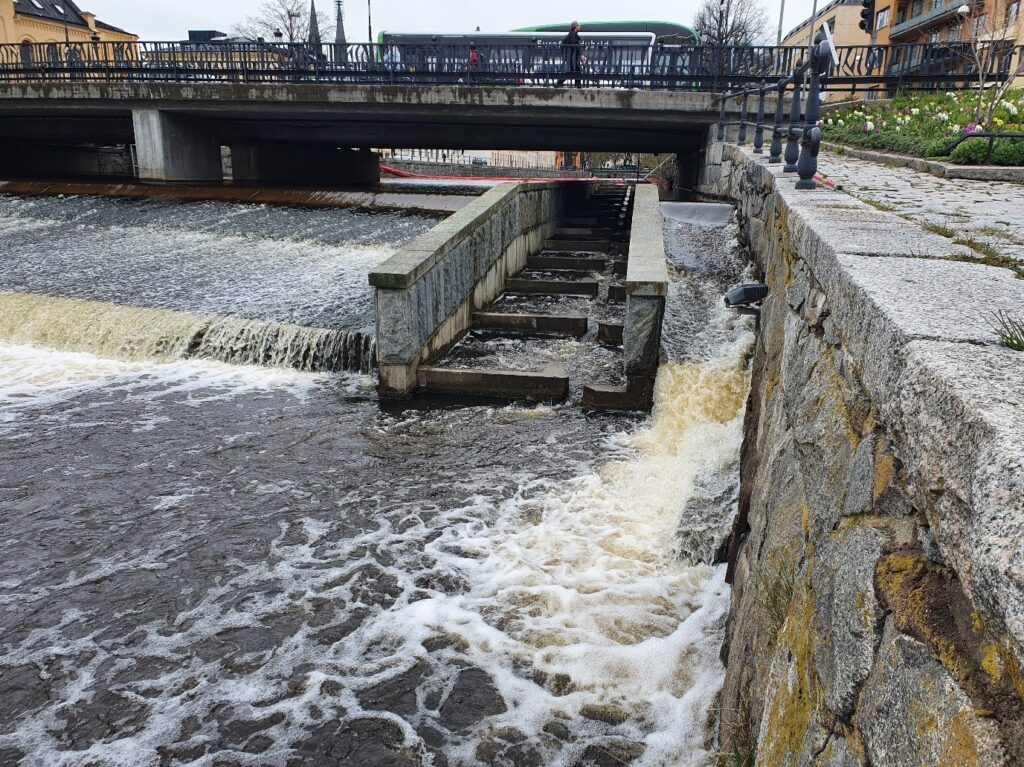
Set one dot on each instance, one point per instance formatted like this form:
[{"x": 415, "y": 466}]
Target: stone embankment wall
[
  {"x": 427, "y": 292},
  {"x": 878, "y": 603}
]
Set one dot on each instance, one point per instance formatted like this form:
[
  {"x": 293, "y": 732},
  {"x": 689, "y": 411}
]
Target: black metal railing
[
  {"x": 802, "y": 130},
  {"x": 714, "y": 69}
]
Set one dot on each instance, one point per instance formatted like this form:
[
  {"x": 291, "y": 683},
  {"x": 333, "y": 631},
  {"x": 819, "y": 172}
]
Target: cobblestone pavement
[{"x": 985, "y": 213}]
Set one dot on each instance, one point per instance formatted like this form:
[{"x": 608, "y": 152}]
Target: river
[{"x": 207, "y": 563}]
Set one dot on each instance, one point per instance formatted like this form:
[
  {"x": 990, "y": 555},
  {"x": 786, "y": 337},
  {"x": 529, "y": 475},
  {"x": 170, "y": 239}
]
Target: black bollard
[{"x": 793, "y": 143}]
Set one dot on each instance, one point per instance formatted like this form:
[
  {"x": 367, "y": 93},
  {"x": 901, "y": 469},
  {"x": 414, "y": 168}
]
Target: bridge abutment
[
  {"x": 31, "y": 159},
  {"x": 301, "y": 163},
  {"x": 175, "y": 148}
]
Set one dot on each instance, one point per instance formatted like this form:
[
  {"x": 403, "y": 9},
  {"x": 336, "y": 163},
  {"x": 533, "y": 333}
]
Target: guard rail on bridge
[{"x": 660, "y": 67}]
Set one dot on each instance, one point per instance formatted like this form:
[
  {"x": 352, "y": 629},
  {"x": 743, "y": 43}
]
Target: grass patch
[
  {"x": 1004, "y": 262},
  {"x": 878, "y": 205},
  {"x": 777, "y": 597},
  {"x": 742, "y": 750},
  {"x": 939, "y": 229},
  {"x": 994, "y": 231},
  {"x": 1010, "y": 330},
  {"x": 986, "y": 250}
]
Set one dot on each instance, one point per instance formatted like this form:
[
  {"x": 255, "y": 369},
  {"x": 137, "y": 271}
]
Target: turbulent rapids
[{"x": 224, "y": 564}]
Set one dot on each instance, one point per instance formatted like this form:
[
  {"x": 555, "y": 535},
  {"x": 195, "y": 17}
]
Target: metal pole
[
  {"x": 782, "y": 14},
  {"x": 369, "y": 20}
]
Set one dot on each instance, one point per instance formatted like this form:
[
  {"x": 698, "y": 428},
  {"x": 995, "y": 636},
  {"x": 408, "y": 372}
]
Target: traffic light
[{"x": 867, "y": 15}]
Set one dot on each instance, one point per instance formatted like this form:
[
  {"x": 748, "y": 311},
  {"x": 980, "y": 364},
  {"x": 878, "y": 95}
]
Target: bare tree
[
  {"x": 732, "y": 22},
  {"x": 988, "y": 32},
  {"x": 290, "y": 17}
]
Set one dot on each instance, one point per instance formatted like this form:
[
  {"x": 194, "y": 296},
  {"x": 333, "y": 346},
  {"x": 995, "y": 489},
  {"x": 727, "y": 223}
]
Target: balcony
[{"x": 924, "y": 19}]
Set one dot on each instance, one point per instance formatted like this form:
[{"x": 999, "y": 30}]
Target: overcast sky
[{"x": 162, "y": 20}]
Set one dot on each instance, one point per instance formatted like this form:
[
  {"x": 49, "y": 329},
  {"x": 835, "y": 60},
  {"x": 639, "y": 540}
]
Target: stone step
[
  {"x": 610, "y": 333},
  {"x": 620, "y": 266},
  {"x": 617, "y": 293},
  {"x": 570, "y": 324},
  {"x": 549, "y": 384},
  {"x": 582, "y": 233},
  {"x": 552, "y": 287},
  {"x": 637, "y": 394},
  {"x": 579, "y": 246},
  {"x": 545, "y": 262}
]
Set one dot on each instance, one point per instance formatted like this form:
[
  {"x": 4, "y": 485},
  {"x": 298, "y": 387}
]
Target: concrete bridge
[{"x": 292, "y": 132}]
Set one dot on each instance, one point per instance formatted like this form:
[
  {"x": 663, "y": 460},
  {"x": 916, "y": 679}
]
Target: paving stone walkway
[{"x": 989, "y": 213}]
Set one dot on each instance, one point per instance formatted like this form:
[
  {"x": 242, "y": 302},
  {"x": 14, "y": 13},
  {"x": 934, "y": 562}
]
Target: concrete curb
[{"x": 935, "y": 167}]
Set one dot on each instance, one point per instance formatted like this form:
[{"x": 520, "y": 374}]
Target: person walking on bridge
[{"x": 572, "y": 55}]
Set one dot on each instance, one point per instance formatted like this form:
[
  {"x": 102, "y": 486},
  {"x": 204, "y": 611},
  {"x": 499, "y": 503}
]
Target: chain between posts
[{"x": 802, "y": 131}]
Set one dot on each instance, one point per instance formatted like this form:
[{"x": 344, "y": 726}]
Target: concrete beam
[
  {"x": 175, "y": 148},
  {"x": 301, "y": 163}
]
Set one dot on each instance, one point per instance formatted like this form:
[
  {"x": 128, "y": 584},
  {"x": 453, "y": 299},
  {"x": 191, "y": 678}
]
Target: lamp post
[{"x": 369, "y": 20}]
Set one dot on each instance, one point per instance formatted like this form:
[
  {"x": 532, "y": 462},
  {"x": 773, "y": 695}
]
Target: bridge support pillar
[
  {"x": 292, "y": 163},
  {"x": 172, "y": 147}
]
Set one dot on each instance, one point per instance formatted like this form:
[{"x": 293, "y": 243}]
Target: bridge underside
[{"x": 198, "y": 116}]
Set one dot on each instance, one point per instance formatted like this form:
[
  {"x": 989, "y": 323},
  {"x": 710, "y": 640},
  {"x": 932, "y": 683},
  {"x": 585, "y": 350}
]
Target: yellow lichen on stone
[
  {"x": 991, "y": 662},
  {"x": 885, "y": 470},
  {"x": 790, "y": 712},
  {"x": 959, "y": 748}
]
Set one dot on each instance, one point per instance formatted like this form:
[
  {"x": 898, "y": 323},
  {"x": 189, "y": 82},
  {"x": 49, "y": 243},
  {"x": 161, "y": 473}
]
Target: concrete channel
[{"x": 496, "y": 269}]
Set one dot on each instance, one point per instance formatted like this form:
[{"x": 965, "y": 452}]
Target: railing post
[
  {"x": 775, "y": 157},
  {"x": 759, "y": 130},
  {"x": 721, "y": 117},
  {"x": 811, "y": 144},
  {"x": 792, "y": 144},
  {"x": 743, "y": 120}
]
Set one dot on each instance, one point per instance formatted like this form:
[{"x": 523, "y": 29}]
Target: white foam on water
[{"x": 33, "y": 378}]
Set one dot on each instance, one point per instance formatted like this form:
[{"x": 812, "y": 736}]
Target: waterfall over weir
[{"x": 136, "y": 333}]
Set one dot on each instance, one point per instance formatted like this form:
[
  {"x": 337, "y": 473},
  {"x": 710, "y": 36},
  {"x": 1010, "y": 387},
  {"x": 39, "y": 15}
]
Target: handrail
[
  {"x": 802, "y": 131},
  {"x": 991, "y": 136},
  {"x": 540, "y": 63}
]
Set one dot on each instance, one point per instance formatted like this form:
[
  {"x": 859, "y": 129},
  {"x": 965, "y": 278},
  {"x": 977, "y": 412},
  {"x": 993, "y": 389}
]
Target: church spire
[
  {"x": 340, "y": 41},
  {"x": 314, "y": 25}
]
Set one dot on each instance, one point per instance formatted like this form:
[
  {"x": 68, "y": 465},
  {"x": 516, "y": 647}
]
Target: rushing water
[
  {"x": 291, "y": 281},
  {"x": 210, "y": 564}
]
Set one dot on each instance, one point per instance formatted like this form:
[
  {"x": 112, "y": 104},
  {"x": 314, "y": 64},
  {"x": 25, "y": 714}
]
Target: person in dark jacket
[{"x": 573, "y": 55}]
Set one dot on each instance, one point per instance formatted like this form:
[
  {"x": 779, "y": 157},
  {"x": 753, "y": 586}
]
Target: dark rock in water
[
  {"x": 608, "y": 713},
  {"x": 398, "y": 694},
  {"x": 360, "y": 743},
  {"x": 473, "y": 699},
  {"x": 611, "y": 754}
]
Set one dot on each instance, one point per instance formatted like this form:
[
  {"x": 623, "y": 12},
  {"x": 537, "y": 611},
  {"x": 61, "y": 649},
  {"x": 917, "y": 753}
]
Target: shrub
[{"x": 1004, "y": 152}]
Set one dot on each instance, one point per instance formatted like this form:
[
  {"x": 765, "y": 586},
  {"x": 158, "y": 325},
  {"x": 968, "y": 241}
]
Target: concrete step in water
[
  {"x": 552, "y": 287},
  {"x": 570, "y": 325},
  {"x": 549, "y": 384},
  {"x": 547, "y": 262},
  {"x": 637, "y": 394},
  {"x": 583, "y": 233},
  {"x": 620, "y": 266},
  {"x": 617, "y": 293},
  {"x": 579, "y": 246},
  {"x": 610, "y": 333}
]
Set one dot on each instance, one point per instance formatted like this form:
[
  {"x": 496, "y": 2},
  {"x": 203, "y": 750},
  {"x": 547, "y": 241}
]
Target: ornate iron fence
[
  {"x": 801, "y": 131},
  {"x": 541, "y": 64}
]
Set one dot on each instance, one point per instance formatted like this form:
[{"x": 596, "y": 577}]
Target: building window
[
  {"x": 955, "y": 33},
  {"x": 831, "y": 24},
  {"x": 882, "y": 19},
  {"x": 916, "y": 8},
  {"x": 901, "y": 14},
  {"x": 1012, "y": 12},
  {"x": 934, "y": 36},
  {"x": 980, "y": 25}
]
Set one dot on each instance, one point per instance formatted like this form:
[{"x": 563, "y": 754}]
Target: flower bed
[{"x": 925, "y": 125}]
